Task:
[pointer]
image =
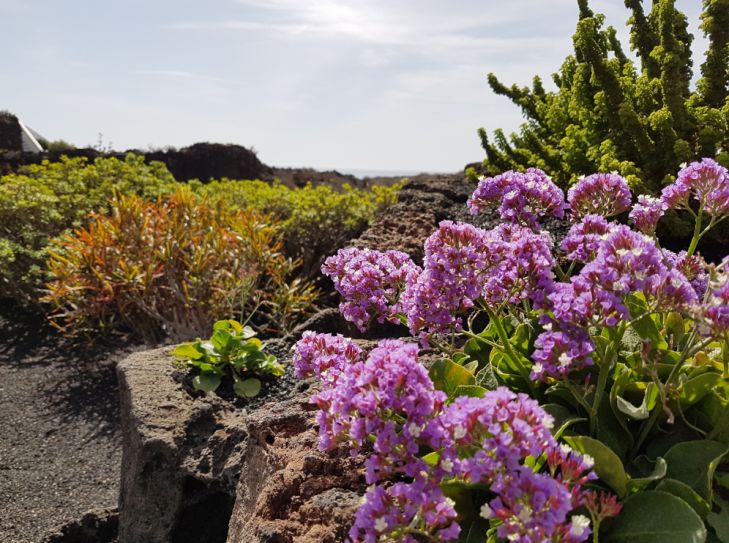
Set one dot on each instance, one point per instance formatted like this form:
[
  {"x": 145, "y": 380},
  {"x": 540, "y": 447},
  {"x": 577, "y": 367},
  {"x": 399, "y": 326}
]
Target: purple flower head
[
  {"x": 706, "y": 181},
  {"x": 413, "y": 508},
  {"x": 370, "y": 282},
  {"x": 647, "y": 212},
  {"x": 559, "y": 352},
  {"x": 715, "y": 311},
  {"x": 522, "y": 197},
  {"x": 455, "y": 256},
  {"x": 315, "y": 354},
  {"x": 501, "y": 429},
  {"x": 522, "y": 265},
  {"x": 584, "y": 238},
  {"x": 692, "y": 267},
  {"x": 533, "y": 508},
  {"x": 605, "y": 194},
  {"x": 673, "y": 292},
  {"x": 627, "y": 261},
  {"x": 582, "y": 302},
  {"x": 371, "y": 397}
]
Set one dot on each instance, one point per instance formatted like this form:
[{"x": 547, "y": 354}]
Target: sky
[{"x": 347, "y": 84}]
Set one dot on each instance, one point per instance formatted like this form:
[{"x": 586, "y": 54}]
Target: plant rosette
[
  {"x": 582, "y": 390},
  {"x": 231, "y": 351}
]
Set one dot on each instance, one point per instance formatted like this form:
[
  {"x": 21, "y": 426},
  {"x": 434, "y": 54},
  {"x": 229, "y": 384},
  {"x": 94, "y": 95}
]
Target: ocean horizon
[{"x": 361, "y": 172}]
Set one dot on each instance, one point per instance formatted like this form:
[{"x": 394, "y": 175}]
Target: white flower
[
  {"x": 588, "y": 460},
  {"x": 564, "y": 360},
  {"x": 486, "y": 511},
  {"x": 459, "y": 432},
  {"x": 580, "y": 523},
  {"x": 381, "y": 524},
  {"x": 447, "y": 465},
  {"x": 414, "y": 430}
]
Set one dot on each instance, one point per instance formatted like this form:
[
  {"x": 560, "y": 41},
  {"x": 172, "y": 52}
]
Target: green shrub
[
  {"x": 609, "y": 114},
  {"x": 169, "y": 268},
  {"x": 315, "y": 220},
  {"x": 43, "y": 200},
  {"x": 231, "y": 352}
]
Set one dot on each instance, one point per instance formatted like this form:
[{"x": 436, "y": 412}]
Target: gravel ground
[{"x": 60, "y": 440}]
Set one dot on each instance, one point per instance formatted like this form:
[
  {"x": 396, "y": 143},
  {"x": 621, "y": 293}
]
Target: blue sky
[{"x": 372, "y": 84}]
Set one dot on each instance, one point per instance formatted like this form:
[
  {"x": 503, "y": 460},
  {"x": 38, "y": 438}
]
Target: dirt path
[{"x": 59, "y": 430}]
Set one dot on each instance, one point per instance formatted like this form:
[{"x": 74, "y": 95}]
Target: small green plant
[{"x": 231, "y": 351}]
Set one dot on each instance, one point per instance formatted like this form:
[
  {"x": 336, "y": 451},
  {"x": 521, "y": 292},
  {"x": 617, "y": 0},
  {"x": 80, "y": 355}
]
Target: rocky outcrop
[
  {"x": 422, "y": 204},
  {"x": 192, "y": 464},
  {"x": 289, "y": 491},
  {"x": 181, "y": 458}
]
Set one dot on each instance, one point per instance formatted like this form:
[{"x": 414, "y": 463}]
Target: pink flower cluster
[
  {"x": 706, "y": 182},
  {"x": 605, "y": 194},
  {"x": 522, "y": 197},
  {"x": 370, "y": 282},
  {"x": 389, "y": 396}
]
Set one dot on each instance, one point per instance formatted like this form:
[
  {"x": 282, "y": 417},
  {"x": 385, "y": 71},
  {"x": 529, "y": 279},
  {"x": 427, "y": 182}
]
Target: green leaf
[
  {"x": 643, "y": 410},
  {"x": 645, "y": 326},
  {"x": 720, "y": 523},
  {"x": 448, "y": 376},
  {"x": 687, "y": 494},
  {"x": 476, "y": 532},
  {"x": 656, "y": 517},
  {"x": 694, "y": 463},
  {"x": 187, "y": 351},
  {"x": 486, "y": 378},
  {"x": 432, "y": 458},
  {"x": 206, "y": 382},
  {"x": 247, "y": 388},
  {"x": 695, "y": 389},
  {"x": 473, "y": 391},
  {"x": 608, "y": 466},
  {"x": 658, "y": 472},
  {"x": 221, "y": 340}
]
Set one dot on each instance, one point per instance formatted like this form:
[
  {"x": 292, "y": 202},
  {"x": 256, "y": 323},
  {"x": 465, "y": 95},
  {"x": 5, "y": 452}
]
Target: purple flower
[
  {"x": 522, "y": 265},
  {"x": 315, "y": 354},
  {"x": 673, "y": 292},
  {"x": 584, "y": 238},
  {"x": 522, "y": 197},
  {"x": 560, "y": 351},
  {"x": 605, "y": 194},
  {"x": 413, "y": 508},
  {"x": 500, "y": 429},
  {"x": 455, "y": 256},
  {"x": 706, "y": 181},
  {"x": 371, "y": 397},
  {"x": 715, "y": 311},
  {"x": 626, "y": 262},
  {"x": 370, "y": 282},
  {"x": 533, "y": 508},
  {"x": 692, "y": 267},
  {"x": 647, "y": 212}
]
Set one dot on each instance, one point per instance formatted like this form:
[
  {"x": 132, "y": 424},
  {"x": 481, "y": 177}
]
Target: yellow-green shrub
[
  {"x": 43, "y": 200},
  {"x": 316, "y": 220},
  {"x": 171, "y": 268}
]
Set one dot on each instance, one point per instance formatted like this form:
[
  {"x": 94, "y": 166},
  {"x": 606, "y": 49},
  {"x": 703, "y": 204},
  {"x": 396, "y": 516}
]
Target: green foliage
[
  {"x": 170, "y": 267},
  {"x": 44, "y": 200},
  {"x": 232, "y": 352},
  {"x": 608, "y": 114},
  {"x": 315, "y": 220}
]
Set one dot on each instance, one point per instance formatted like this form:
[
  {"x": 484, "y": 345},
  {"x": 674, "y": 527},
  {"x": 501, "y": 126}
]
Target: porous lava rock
[
  {"x": 181, "y": 458},
  {"x": 423, "y": 202},
  {"x": 289, "y": 491}
]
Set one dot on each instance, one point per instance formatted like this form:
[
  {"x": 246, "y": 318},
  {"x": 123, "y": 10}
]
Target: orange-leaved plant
[{"x": 169, "y": 268}]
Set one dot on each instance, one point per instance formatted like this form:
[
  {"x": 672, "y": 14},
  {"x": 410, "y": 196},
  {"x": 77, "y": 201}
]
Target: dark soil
[{"x": 59, "y": 428}]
